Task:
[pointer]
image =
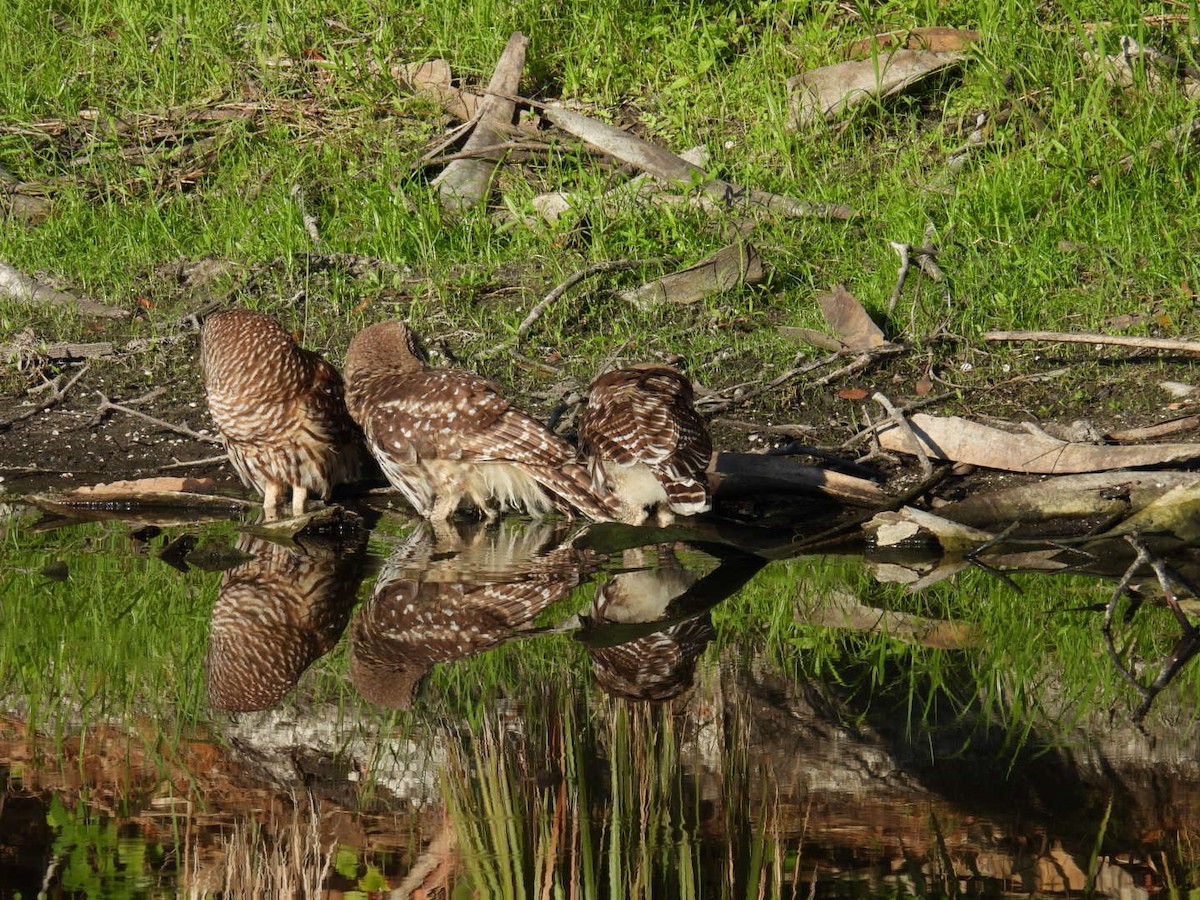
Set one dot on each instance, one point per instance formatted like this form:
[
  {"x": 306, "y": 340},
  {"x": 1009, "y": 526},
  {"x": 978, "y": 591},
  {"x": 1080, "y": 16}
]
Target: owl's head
[{"x": 384, "y": 347}]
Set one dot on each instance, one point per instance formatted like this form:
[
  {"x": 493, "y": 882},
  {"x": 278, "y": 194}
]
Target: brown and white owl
[
  {"x": 441, "y": 600},
  {"x": 645, "y": 444},
  {"x": 275, "y": 614},
  {"x": 280, "y": 410},
  {"x": 658, "y": 661},
  {"x": 445, "y": 436}
]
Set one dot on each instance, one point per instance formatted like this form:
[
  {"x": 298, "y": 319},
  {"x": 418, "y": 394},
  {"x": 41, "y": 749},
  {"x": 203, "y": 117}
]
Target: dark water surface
[{"x": 535, "y": 709}]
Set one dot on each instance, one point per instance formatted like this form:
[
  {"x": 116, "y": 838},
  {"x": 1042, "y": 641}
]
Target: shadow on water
[{"x": 536, "y": 708}]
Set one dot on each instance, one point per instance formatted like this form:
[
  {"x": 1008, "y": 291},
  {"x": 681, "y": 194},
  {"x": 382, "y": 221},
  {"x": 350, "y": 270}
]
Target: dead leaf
[
  {"x": 929, "y": 37},
  {"x": 961, "y": 440},
  {"x": 828, "y": 92},
  {"x": 923, "y": 386},
  {"x": 852, "y": 394},
  {"x": 811, "y": 337},
  {"x": 729, "y": 267},
  {"x": 849, "y": 321}
]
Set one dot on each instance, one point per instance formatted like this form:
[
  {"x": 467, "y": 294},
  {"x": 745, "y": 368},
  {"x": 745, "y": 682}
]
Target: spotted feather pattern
[
  {"x": 422, "y": 613},
  {"x": 645, "y": 443},
  {"x": 445, "y": 436},
  {"x": 279, "y": 408}
]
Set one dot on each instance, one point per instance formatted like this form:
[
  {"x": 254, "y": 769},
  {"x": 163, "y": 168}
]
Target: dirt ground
[{"x": 1075, "y": 391}]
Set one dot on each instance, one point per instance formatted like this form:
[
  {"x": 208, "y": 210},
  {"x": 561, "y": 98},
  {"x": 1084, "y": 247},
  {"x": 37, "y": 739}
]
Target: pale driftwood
[
  {"x": 827, "y": 92},
  {"x": 1153, "y": 432},
  {"x": 729, "y": 267},
  {"x": 735, "y": 475},
  {"x": 58, "y": 350},
  {"x": 1100, "y": 495},
  {"x": 1115, "y": 340},
  {"x": 1176, "y": 512},
  {"x": 18, "y": 286},
  {"x": 961, "y": 440},
  {"x": 465, "y": 182},
  {"x": 673, "y": 169}
]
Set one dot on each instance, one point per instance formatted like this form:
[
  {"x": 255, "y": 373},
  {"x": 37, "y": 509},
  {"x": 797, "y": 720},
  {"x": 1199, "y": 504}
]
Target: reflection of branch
[{"x": 1185, "y": 648}]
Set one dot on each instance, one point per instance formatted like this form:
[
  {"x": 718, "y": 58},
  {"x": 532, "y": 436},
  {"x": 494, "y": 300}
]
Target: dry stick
[
  {"x": 1069, "y": 337},
  {"x": 310, "y": 222},
  {"x": 869, "y": 432},
  {"x": 195, "y": 463},
  {"x": 906, "y": 429},
  {"x": 901, "y": 277},
  {"x": 492, "y": 152},
  {"x": 610, "y": 265},
  {"x": 58, "y": 396},
  {"x": 782, "y": 379},
  {"x": 786, "y": 430},
  {"x": 18, "y": 286},
  {"x": 107, "y": 405}
]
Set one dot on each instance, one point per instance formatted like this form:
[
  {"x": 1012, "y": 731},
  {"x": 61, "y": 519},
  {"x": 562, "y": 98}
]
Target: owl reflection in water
[
  {"x": 275, "y": 614},
  {"x": 437, "y": 601},
  {"x": 660, "y": 664},
  {"x": 280, "y": 410}
]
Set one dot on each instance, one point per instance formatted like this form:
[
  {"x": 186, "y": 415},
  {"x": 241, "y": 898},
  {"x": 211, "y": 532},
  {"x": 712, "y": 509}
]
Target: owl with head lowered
[
  {"x": 645, "y": 445},
  {"x": 280, "y": 410},
  {"x": 445, "y": 436}
]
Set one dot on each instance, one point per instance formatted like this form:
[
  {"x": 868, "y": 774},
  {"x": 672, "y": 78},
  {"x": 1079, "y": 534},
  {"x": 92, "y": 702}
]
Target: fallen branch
[
  {"x": 20, "y": 287},
  {"x": 1116, "y": 340},
  {"x": 710, "y": 406},
  {"x": 58, "y": 396},
  {"x": 107, "y": 406},
  {"x": 465, "y": 182},
  {"x": 672, "y": 168},
  {"x": 906, "y": 429},
  {"x": 732, "y": 265},
  {"x": 195, "y": 463},
  {"x": 735, "y": 475}
]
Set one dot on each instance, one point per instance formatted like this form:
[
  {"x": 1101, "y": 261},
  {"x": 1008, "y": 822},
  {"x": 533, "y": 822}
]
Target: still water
[{"x": 539, "y": 709}]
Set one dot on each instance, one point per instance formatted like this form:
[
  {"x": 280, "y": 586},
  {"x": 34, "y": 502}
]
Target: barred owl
[
  {"x": 443, "y": 436},
  {"x": 437, "y": 601},
  {"x": 645, "y": 444},
  {"x": 275, "y": 614},
  {"x": 279, "y": 408},
  {"x": 655, "y": 663}
]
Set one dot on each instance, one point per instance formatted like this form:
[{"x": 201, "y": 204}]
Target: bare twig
[
  {"x": 901, "y": 276},
  {"x": 1116, "y": 340},
  {"x": 792, "y": 431},
  {"x": 610, "y": 265},
  {"x": 195, "y": 463},
  {"x": 720, "y": 405},
  {"x": 107, "y": 406},
  {"x": 58, "y": 396},
  {"x": 869, "y": 433},
  {"x": 902, "y": 424}
]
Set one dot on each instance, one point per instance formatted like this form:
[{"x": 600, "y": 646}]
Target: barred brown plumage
[
  {"x": 279, "y": 408},
  {"x": 444, "y": 599},
  {"x": 444, "y": 436},
  {"x": 645, "y": 444},
  {"x": 275, "y": 614}
]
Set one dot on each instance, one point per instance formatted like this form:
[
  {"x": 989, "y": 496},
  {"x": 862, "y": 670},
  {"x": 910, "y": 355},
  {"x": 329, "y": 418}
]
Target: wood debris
[{"x": 731, "y": 266}]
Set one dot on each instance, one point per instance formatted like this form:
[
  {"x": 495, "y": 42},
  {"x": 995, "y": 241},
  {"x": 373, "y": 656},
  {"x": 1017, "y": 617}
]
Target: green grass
[{"x": 334, "y": 123}]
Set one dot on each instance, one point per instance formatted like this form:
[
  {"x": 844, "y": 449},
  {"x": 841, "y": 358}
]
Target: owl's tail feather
[{"x": 570, "y": 488}]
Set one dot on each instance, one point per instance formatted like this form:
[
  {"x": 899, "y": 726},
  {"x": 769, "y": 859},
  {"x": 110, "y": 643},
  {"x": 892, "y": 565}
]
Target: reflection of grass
[{"x": 604, "y": 806}]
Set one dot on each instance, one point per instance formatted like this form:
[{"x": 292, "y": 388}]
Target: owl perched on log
[
  {"x": 445, "y": 436},
  {"x": 275, "y": 614},
  {"x": 645, "y": 444},
  {"x": 442, "y": 599},
  {"x": 280, "y": 410}
]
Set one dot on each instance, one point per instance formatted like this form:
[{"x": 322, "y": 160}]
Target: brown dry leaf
[
  {"x": 827, "y": 92},
  {"x": 429, "y": 74},
  {"x": 811, "y": 337},
  {"x": 849, "y": 321},
  {"x": 924, "y": 386},
  {"x": 729, "y": 267},
  {"x": 931, "y": 37},
  {"x": 852, "y": 394},
  {"x": 433, "y": 79},
  {"x": 961, "y": 440}
]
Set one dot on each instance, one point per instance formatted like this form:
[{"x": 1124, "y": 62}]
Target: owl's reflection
[
  {"x": 445, "y": 598},
  {"x": 654, "y": 663},
  {"x": 275, "y": 614}
]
